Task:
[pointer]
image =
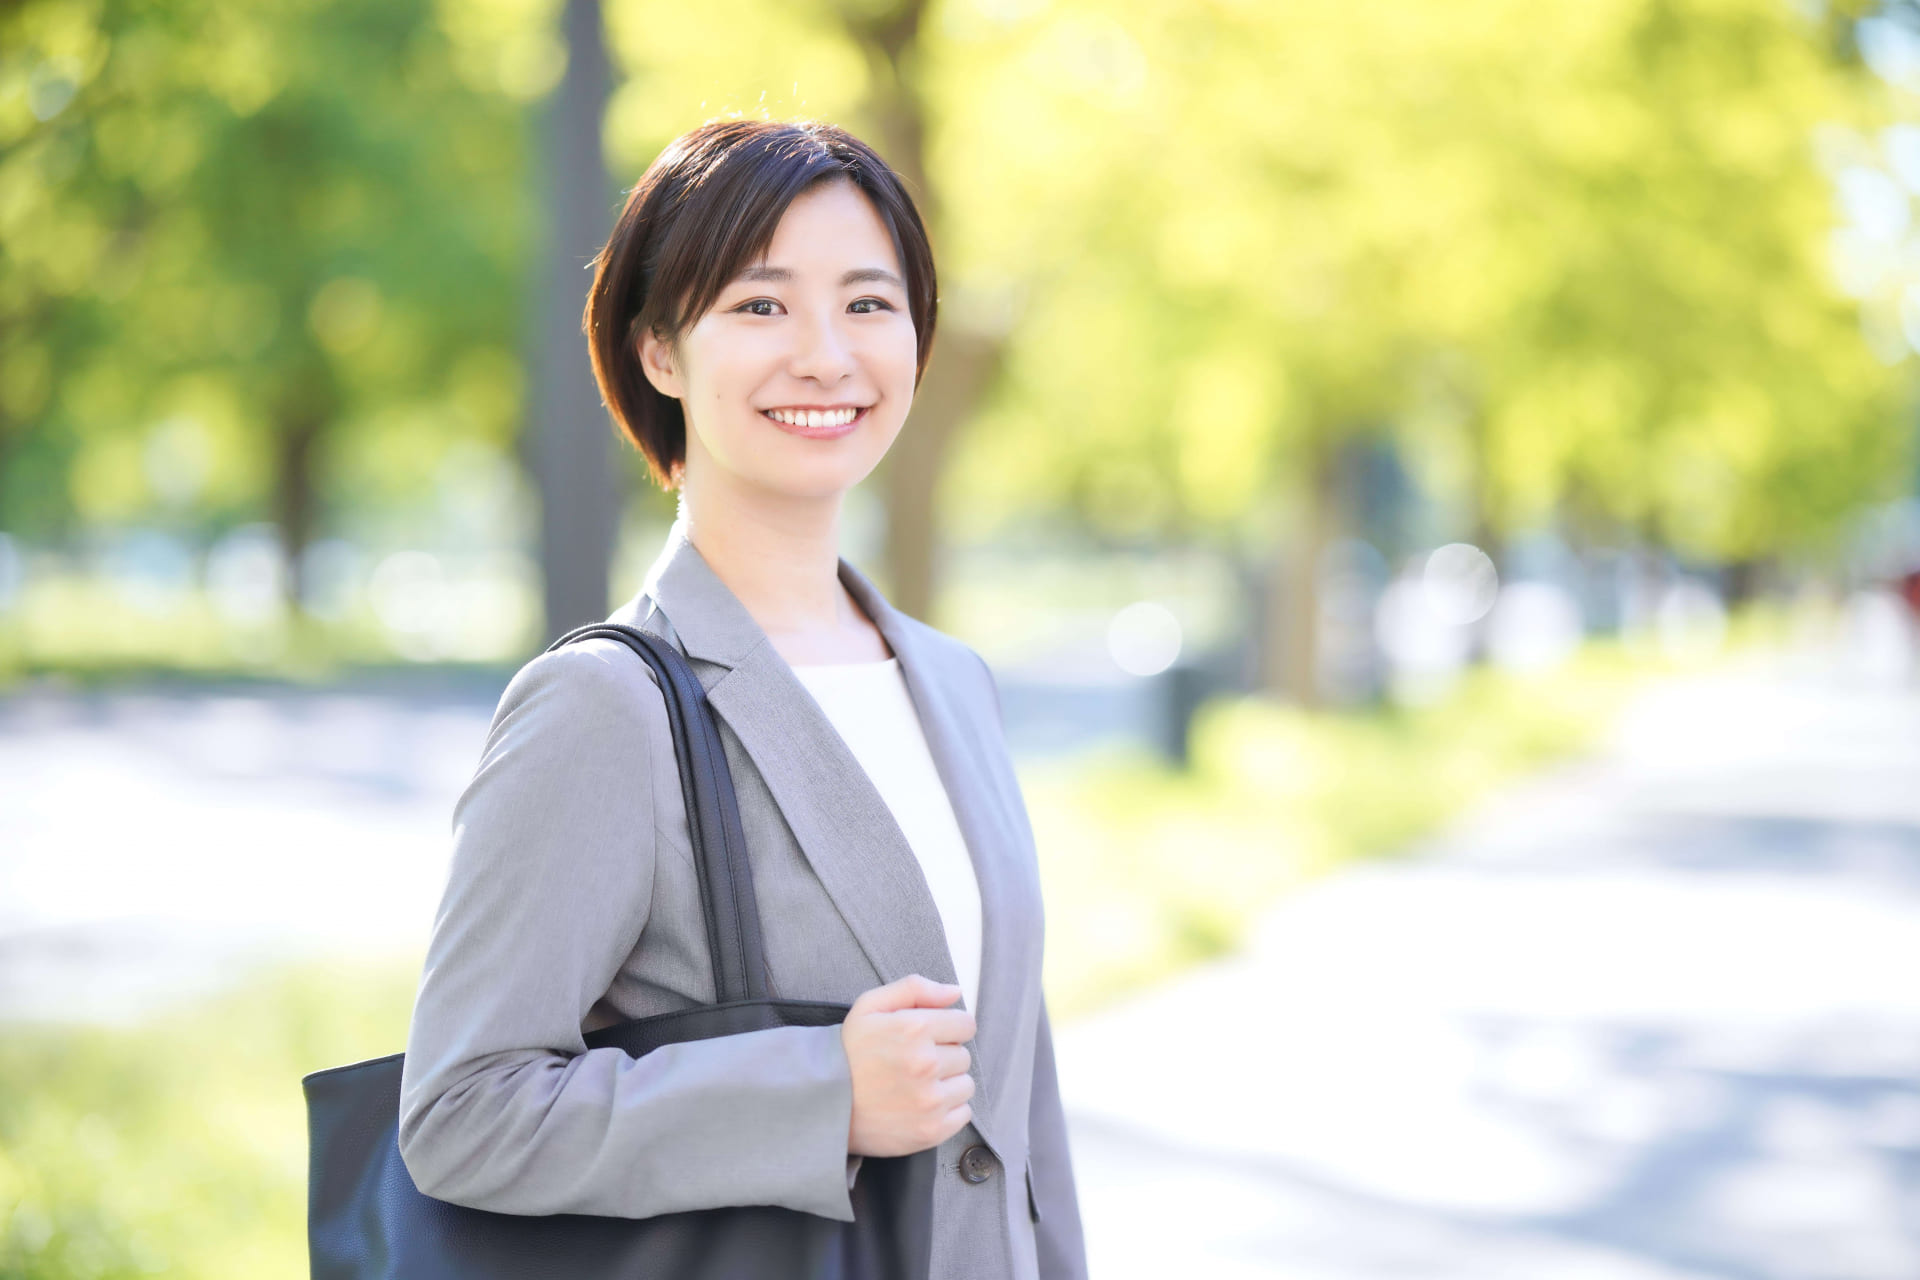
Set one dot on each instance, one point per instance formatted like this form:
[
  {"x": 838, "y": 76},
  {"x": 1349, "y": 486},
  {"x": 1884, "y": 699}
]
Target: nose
[{"x": 821, "y": 352}]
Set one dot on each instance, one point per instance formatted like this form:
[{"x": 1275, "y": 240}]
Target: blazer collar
[
  {"x": 708, "y": 619},
  {"x": 842, "y": 823}
]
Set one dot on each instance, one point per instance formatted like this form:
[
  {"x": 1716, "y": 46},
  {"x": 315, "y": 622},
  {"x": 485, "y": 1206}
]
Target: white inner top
[{"x": 869, "y": 704}]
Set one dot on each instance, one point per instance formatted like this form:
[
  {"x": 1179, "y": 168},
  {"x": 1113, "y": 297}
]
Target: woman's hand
[{"x": 910, "y": 1081}]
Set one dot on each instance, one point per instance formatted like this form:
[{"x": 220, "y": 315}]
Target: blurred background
[{"x": 1436, "y": 483}]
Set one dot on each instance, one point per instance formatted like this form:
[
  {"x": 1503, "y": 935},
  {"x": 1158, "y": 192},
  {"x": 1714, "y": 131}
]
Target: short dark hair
[{"x": 706, "y": 207}]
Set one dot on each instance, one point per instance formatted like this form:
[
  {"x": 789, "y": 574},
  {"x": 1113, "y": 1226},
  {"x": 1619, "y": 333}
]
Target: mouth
[{"x": 818, "y": 424}]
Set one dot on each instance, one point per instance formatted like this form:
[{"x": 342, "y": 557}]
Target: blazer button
[{"x": 976, "y": 1164}]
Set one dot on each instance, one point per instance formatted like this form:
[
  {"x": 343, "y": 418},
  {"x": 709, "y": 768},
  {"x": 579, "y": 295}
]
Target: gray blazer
[{"x": 571, "y": 903}]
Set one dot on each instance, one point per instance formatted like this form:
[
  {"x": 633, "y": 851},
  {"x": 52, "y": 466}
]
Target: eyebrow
[{"x": 781, "y": 275}]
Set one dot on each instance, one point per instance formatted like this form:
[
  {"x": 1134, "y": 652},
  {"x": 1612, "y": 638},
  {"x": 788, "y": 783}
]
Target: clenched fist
[{"x": 910, "y": 1081}]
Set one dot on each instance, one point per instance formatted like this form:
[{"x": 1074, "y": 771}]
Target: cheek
[
  {"x": 900, "y": 353},
  {"x": 723, "y": 361},
  {"x": 732, "y": 376}
]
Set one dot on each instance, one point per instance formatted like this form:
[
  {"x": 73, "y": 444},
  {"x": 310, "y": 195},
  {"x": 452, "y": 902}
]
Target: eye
[
  {"x": 755, "y": 303},
  {"x": 878, "y": 302}
]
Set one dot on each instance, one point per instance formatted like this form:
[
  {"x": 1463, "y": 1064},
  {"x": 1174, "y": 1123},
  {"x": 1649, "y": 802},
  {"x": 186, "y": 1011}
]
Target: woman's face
[{"x": 816, "y": 330}]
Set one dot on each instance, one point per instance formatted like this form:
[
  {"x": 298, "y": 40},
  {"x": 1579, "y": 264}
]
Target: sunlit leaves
[
  {"x": 1607, "y": 218},
  {"x": 1223, "y": 401},
  {"x": 318, "y": 206},
  {"x": 1609, "y": 256},
  {"x": 508, "y": 47},
  {"x": 683, "y": 64}
]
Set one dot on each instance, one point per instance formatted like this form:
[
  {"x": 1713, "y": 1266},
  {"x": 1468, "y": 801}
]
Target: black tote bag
[{"x": 367, "y": 1221}]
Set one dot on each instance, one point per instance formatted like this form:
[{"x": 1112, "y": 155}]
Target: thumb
[{"x": 910, "y": 992}]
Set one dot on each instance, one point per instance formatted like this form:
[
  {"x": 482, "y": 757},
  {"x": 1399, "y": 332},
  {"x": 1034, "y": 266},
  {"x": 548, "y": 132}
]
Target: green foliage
[
  {"x": 232, "y": 231},
  {"x": 60, "y": 640},
  {"x": 178, "y": 1147},
  {"x": 267, "y": 256},
  {"x": 1576, "y": 260}
]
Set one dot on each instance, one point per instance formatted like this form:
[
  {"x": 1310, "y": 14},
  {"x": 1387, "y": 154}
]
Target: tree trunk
[
  {"x": 1744, "y": 578},
  {"x": 571, "y": 433},
  {"x": 891, "y": 45},
  {"x": 294, "y": 492},
  {"x": 1290, "y": 665},
  {"x": 962, "y": 364}
]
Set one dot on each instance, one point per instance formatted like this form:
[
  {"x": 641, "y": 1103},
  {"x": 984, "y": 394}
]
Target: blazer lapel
[
  {"x": 842, "y": 823},
  {"x": 958, "y": 756}
]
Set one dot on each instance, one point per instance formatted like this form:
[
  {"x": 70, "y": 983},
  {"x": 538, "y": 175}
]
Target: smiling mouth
[{"x": 817, "y": 418}]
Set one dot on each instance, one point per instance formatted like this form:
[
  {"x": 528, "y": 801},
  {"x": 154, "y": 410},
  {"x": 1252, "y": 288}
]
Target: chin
[{"x": 813, "y": 483}]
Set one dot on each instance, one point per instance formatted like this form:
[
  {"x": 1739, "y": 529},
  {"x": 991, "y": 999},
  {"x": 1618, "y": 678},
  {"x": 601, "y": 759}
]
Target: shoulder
[
  {"x": 573, "y": 732},
  {"x": 596, "y": 688}
]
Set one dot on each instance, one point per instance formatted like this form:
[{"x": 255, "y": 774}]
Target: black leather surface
[{"x": 367, "y": 1221}]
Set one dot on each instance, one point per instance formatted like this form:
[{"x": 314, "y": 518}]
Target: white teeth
[{"x": 814, "y": 418}]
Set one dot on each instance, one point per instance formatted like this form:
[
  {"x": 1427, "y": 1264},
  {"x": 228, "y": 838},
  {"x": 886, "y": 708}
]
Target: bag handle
[{"x": 713, "y": 813}]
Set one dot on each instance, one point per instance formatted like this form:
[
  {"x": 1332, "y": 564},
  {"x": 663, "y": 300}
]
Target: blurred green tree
[
  {"x": 1573, "y": 263},
  {"x": 1572, "y": 260},
  {"x": 243, "y": 239}
]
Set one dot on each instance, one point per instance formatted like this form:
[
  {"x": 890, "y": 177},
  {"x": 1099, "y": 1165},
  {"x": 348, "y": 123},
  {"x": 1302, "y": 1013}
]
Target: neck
[{"x": 782, "y": 560}]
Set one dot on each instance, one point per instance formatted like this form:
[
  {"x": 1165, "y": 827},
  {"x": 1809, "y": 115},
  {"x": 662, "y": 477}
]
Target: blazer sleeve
[
  {"x": 1060, "y": 1242},
  {"x": 502, "y": 1105}
]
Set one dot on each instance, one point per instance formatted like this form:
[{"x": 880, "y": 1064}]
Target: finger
[
  {"x": 948, "y": 1026},
  {"x": 957, "y": 1119},
  {"x": 955, "y": 1089},
  {"x": 928, "y": 994},
  {"x": 950, "y": 1060},
  {"x": 910, "y": 992}
]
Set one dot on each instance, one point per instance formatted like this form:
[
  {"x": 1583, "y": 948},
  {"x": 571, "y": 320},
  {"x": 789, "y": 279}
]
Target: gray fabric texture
[{"x": 571, "y": 903}]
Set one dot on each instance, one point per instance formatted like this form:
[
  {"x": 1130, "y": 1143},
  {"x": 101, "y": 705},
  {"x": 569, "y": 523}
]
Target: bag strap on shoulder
[{"x": 713, "y": 812}]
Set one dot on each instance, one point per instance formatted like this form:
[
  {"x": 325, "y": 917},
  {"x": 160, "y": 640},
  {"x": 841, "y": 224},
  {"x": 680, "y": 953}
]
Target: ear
[{"x": 656, "y": 361}]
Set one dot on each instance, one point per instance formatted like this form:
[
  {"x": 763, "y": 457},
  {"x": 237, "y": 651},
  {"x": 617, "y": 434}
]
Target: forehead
[{"x": 830, "y": 227}]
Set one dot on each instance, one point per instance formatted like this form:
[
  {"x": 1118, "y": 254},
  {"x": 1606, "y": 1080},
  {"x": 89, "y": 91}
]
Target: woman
[{"x": 759, "y": 322}]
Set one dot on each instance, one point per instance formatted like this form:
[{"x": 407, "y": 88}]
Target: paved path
[
  {"x": 154, "y": 846},
  {"x": 1653, "y": 1016}
]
